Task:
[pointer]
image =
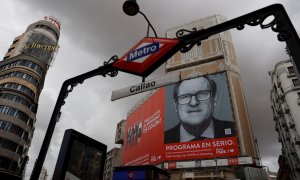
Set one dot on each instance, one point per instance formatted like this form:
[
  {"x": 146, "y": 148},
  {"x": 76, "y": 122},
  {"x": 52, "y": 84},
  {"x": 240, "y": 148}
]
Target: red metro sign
[{"x": 147, "y": 55}]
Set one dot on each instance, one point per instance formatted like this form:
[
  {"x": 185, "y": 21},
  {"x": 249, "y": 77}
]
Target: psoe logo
[{"x": 143, "y": 51}]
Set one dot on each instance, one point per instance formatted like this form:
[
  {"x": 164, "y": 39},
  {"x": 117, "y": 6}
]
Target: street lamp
[{"x": 131, "y": 8}]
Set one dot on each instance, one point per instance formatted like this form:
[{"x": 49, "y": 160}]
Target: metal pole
[{"x": 65, "y": 89}]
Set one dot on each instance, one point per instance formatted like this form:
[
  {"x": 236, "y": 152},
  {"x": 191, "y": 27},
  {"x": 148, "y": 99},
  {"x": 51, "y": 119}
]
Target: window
[
  {"x": 17, "y": 114},
  {"x": 15, "y": 41},
  {"x": 6, "y": 126},
  {"x": 10, "y": 49},
  {"x": 30, "y": 122},
  {"x": 26, "y": 63},
  {"x": 48, "y": 29},
  {"x": 19, "y": 87},
  {"x": 4, "y": 162},
  {"x": 52, "y": 31},
  {"x": 291, "y": 70},
  {"x": 22, "y": 75},
  {"x": 281, "y": 90},
  {"x": 7, "y": 144},
  {"x": 296, "y": 82},
  {"x": 13, "y": 166},
  {"x": 25, "y": 136}
]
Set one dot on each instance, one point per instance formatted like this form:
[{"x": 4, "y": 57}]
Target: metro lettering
[{"x": 143, "y": 51}]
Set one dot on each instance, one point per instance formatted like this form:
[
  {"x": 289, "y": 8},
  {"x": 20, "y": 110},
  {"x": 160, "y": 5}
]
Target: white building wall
[
  {"x": 44, "y": 174},
  {"x": 286, "y": 112}
]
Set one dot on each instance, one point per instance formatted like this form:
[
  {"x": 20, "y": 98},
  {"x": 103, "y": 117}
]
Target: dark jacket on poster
[{"x": 173, "y": 135}]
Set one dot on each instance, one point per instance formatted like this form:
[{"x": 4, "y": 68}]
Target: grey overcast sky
[{"x": 94, "y": 30}]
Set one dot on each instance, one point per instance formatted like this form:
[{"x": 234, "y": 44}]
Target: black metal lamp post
[
  {"x": 281, "y": 25},
  {"x": 66, "y": 88},
  {"x": 131, "y": 8}
]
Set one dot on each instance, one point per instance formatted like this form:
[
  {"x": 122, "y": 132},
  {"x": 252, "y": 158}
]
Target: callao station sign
[{"x": 143, "y": 59}]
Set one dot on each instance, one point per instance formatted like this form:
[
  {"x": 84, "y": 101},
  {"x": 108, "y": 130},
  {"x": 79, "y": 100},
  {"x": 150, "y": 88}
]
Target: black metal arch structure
[{"x": 280, "y": 24}]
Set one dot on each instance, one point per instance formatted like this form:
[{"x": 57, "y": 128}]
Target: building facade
[
  {"x": 120, "y": 132},
  {"x": 22, "y": 74},
  {"x": 44, "y": 174},
  {"x": 113, "y": 159},
  {"x": 285, "y": 99},
  {"x": 283, "y": 171},
  {"x": 215, "y": 55},
  {"x": 114, "y": 156}
]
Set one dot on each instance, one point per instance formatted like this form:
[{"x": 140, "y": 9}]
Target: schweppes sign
[{"x": 46, "y": 47}]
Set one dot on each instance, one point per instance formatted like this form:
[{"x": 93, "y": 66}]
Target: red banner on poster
[
  {"x": 209, "y": 148},
  {"x": 144, "y": 132}
]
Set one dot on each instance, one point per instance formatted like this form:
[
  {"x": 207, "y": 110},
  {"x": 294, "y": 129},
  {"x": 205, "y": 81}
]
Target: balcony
[
  {"x": 286, "y": 110},
  {"x": 279, "y": 112},
  {"x": 278, "y": 84},
  {"x": 293, "y": 153},
  {"x": 276, "y": 128},
  {"x": 292, "y": 124},
  {"x": 283, "y": 124},
  {"x": 297, "y": 140},
  {"x": 298, "y": 167}
]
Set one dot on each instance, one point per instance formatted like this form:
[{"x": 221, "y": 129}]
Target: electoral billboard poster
[{"x": 192, "y": 119}]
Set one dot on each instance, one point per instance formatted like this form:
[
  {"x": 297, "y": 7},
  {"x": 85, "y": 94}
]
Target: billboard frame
[
  {"x": 158, "y": 118},
  {"x": 66, "y": 148}
]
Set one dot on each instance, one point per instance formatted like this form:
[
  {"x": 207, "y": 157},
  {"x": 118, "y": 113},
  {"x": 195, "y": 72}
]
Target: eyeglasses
[{"x": 200, "y": 96}]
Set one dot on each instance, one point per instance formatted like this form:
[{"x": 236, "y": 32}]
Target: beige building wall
[
  {"x": 113, "y": 159},
  {"x": 247, "y": 146},
  {"x": 216, "y": 54},
  {"x": 120, "y": 132}
]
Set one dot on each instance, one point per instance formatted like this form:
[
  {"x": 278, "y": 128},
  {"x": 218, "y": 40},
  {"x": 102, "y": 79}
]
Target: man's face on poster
[{"x": 194, "y": 102}]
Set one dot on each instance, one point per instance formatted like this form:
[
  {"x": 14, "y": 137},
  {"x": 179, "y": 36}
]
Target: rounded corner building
[{"x": 22, "y": 74}]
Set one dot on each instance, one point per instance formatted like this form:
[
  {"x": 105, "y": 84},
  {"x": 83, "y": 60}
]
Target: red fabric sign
[
  {"x": 210, "y": 148},
  {"x": 144, "y": 133}
]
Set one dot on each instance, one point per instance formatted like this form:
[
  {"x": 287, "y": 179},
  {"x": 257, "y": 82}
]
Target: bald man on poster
[{"x": 195, "y": 100}]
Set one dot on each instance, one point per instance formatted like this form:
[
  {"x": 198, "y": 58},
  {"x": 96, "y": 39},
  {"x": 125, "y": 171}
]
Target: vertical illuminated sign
[{"x": 80, "y": 157}]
